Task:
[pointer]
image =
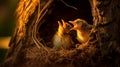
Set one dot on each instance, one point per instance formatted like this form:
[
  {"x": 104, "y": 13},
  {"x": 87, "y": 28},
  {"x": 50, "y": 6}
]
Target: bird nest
[{"x": 47, "y": 26}]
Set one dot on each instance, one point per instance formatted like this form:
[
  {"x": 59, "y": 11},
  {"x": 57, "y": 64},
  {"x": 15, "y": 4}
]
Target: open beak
[
  {"x": 60, "y": 25},
  {"x": 74, "y": 24},
  {"x": 64, "y": 23},
  {"x": 74, "y": 28}
]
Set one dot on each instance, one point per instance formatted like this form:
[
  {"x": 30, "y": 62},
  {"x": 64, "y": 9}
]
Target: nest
[
  {"x": 58, "y": 10},
  {"x": 47, "y": 26}
]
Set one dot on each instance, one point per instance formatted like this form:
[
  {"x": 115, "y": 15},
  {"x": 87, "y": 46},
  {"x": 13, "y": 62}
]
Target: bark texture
[{"x": 29, "y": 46}]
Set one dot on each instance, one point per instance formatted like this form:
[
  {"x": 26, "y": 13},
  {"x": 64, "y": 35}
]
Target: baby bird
[
  {"x": 62, "y": 39},
  {"x": 82, "y": 28}
]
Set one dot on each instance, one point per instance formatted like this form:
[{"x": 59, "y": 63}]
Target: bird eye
[{"x": 77, "y": 22}]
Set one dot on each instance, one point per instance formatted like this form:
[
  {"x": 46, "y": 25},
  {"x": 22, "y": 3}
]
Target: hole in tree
[{"x": 59, "y": 11}]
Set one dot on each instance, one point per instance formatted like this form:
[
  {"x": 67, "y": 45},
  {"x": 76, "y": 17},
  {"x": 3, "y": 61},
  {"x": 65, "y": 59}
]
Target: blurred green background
[{"x": 7, "y": 24}]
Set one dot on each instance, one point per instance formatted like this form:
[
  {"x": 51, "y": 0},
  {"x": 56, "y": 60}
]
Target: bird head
[
  {"x": 80, "y": 24},
  {"x": 66, "y": 26}
]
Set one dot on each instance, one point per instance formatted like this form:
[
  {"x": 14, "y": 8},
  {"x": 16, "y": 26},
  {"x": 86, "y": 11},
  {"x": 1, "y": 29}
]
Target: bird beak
[
  {"x": 74, "y": 24},
  {"x": 74, "y": 28},
  {"x": 64, "y": 23},
  {"x": 60, "y": 25},
  {"x": 65, "y": 26}
]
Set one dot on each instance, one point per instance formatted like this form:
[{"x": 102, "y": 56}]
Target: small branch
[
  {"x": 68, "y": 5},
  {"x": 35, "y": 28}
]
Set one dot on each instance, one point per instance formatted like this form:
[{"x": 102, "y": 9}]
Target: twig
[
  {"x": 35, "y": 28},
  {"x": 68, "y": 5}
]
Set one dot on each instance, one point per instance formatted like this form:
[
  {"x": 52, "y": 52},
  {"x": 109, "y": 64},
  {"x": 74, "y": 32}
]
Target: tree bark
[{"x": 28, "y": 49}]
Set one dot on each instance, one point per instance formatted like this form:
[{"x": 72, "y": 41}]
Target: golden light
[{"x": 4, "y": 42}]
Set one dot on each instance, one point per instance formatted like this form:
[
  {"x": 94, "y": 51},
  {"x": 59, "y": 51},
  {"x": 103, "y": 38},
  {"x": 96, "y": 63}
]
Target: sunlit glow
[
  {"x": 4, "y": 41},
  {"x": 60, "y": 29},
  {"x": 79, "y": 36}
]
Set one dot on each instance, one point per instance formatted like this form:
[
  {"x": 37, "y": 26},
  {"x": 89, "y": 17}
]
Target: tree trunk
[{"x": 30, "y": 45}]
